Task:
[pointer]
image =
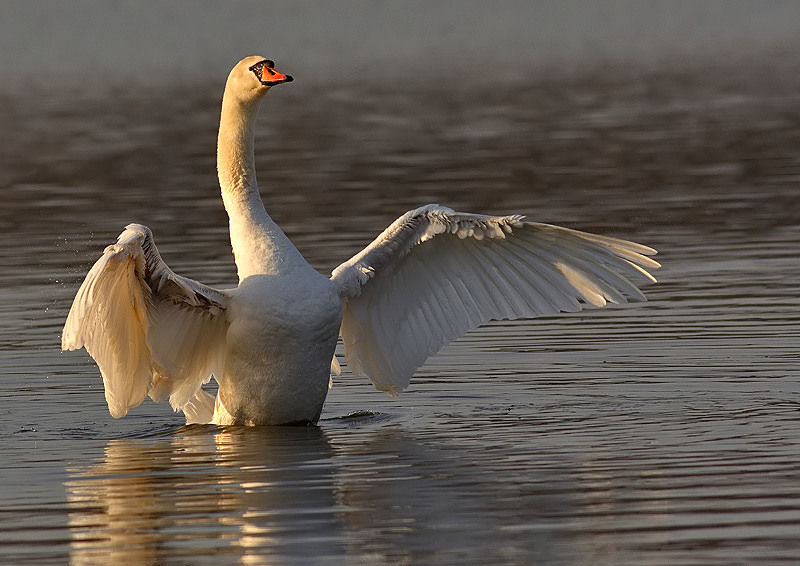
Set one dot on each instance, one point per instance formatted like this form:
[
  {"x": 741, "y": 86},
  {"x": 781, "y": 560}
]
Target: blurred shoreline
[{"x": 144, "y": 42}]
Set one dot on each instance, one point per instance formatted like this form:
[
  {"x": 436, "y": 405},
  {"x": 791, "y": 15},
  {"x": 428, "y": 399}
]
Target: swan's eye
[{"x": 257, "y": 69}]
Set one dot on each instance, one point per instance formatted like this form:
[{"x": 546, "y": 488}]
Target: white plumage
[
  {"x": 435, "y": 274},
  {"x": 428, "y": 278},
  {"x": 149, "y": 330}
]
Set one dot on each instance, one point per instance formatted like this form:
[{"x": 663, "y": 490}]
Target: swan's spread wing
[
  {"x": 435, "y": 273},
  {"x": 151, "y": 332}
]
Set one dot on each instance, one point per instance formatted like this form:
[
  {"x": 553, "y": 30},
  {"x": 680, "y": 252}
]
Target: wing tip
[
  {"x": 70, "y": 337},
  {"x": 391, "y": 390},
  {"x": 70, "y": 346},
  {"x": 117, "y": 411}
]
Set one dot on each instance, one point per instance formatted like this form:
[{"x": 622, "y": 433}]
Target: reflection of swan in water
[
  {"x": 258, "y": 493},
  {"x": 269, "y": 343},
  {"x": 285, "y": 489},
  {"x": 306, "y": 496}
]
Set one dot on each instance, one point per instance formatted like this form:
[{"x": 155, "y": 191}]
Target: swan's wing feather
[
  {"x": 151, "y": 332},
  {"x": 435, "y": 274}
]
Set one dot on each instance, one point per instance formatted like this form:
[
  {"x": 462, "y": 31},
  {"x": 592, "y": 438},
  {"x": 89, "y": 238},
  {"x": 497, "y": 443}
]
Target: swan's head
[{"x": 253, "y": 76}]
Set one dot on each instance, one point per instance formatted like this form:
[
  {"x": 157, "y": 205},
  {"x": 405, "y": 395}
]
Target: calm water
[{"x": 661, "y": 433}]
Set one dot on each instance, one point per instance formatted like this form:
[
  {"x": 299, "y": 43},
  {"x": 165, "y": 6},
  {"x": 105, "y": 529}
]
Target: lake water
[{"x": 658, "y": 433}]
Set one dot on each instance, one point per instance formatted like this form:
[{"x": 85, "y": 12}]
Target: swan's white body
[{"x": 269, "y": 343}]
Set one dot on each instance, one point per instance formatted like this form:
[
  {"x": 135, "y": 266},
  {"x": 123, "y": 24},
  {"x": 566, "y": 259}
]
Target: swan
[{"x": 432, "y": 275}]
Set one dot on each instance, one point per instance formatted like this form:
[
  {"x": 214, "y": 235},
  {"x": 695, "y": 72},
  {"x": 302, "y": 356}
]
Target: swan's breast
[
  {"x": 299, "y": 298},
  {"x": 289, "y": 320},
  {"x": 282, "y": 336}
]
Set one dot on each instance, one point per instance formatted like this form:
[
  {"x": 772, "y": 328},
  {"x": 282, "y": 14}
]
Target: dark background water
[{"x": 658, "y": 433}]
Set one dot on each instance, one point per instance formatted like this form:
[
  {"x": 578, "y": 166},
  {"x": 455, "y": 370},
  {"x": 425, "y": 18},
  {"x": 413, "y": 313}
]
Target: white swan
[{"x": 269, "y": 343}]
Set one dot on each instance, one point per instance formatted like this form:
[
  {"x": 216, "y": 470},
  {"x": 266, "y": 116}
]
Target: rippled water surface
[{"x": 657, "y": 433}]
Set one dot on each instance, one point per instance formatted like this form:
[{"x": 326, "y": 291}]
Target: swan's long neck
[
  {"x": 259, "y": 245},
  {"x": 235, "y": 153}
]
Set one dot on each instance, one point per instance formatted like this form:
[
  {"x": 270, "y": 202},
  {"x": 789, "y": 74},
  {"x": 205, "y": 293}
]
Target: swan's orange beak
[{"x": 266, "y": 74}]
